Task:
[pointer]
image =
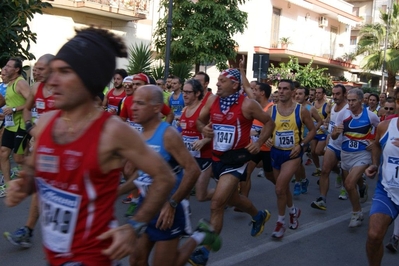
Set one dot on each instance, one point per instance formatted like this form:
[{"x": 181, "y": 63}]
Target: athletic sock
[
  {"x": 198, "y": 237},
  {"x": 281, "y": 219}
]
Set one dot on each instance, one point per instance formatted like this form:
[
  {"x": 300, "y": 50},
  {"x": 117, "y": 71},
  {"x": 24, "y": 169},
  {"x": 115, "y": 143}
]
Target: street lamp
[{"x": 168, "y": 38}]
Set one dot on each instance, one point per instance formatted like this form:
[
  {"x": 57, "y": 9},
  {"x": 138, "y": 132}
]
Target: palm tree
[
  {"x": 140, "y": 59},
  {"x": 371, "y": 44}
]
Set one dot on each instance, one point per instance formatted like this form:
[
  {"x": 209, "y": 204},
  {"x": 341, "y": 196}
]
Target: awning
[{"x": 348, "y": 21}]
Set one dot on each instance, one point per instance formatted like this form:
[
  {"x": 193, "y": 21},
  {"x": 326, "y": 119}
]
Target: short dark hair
[
  {"x": 17, "y": 64},
  {"x": 181, "y": 81},
  {"x": 343, "y": 88},
  {"x": 197, "y": 87},
  {"x": 297, "y": 85},
  {"x": 324, "y": 90},
  {"x": 376, "y": 96},
  {"x": 305, "y": 89},
  {"x": 206, "y": 76},
  {"x": 288, "y": 81},
  {"x": 265, "y": 88},
  {"x": 121, "y": 72}
]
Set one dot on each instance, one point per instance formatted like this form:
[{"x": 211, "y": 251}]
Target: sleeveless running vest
[
  {"x": 42, "y": 104},
  {"x": 231, "y": 130},
  {"x": 76, "y": 199},
  {"x": 335, "y": 143},
  {"x": 257, "y": 128},
  {"x": 114, "y": 100},
  {"x": 356, "y": 132},
  {"x": 190, "y": 134},
  {"x": 176, "y": 105},
  {"x": 14, "y": 99},
  {"x": 288, "y": 130},
  {"x": 322, "y": 113},
  {"x": 156, "y": 142}
]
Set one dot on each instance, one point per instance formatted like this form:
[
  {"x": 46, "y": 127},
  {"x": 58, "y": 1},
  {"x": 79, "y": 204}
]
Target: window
[
  {"x": 353, "y": 40},
  {"x": 275, "y": 27},
  {"x": 355, "y": 11}
]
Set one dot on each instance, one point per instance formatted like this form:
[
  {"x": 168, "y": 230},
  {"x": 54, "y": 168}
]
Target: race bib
[
  {"x": 331, "y": 126},
  {"x": 9, "y": 121},
  {"x": 59, "y": 214},
  {"x": 40, "y": 105},
  {"x": 284, "y": 140},
  {"x": 34, "y": 113},
  {"x": 392, "y": 171},
  {"x": 224, "y": 136},
  {"x": 189, "y": 141},
  {"x": 136, "y": 126},
  {"x": 353, "y": 145},
  {"x": 255, "y": 131}
]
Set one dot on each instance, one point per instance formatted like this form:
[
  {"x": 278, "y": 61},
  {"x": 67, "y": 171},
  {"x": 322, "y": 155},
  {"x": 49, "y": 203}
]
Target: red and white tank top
[
  {"x": 42, "y": 103},
  {"x": 190, "y": 134},
  {"x": 231, "y": 130},
  {"x": 76, "y": 198},
  {"x": 114, "y": 100}
]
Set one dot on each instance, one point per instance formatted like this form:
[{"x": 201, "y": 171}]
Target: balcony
[{"x": 127, "y": 10}]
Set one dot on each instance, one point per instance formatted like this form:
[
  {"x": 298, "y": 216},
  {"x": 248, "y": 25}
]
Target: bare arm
[
  {"x": 30, "y": 103},
  {"x": 245, "y": 82},
  {"x": 203, "y": 119},
  {"x": 169, "y": 118},
  {"x": 376, "y": 150},
  {"x": 315, "y": 116},
  {"x": 308, "y": 121},
  {"x": 22, "y": 87}
]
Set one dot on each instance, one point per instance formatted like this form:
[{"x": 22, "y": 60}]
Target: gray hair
[{"x": 357, "y": 92}]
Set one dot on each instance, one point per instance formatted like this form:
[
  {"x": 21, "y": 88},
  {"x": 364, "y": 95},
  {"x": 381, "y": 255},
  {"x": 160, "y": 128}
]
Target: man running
[
  {"x": 332, "y": 155},
  {"x": 287, "y": 151},
  {"x": 355, "y": 124},
  {"x": 116, "y": 94},
  {"x": 227, "y": 119},
  {"x": 79, "y": 153}
]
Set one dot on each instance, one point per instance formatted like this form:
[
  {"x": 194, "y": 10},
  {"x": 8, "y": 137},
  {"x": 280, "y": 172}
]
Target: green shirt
[{"x": 14, "y": 99}]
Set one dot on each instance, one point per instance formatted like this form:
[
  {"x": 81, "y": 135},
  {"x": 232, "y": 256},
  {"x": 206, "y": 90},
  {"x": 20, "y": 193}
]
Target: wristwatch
[
  {"x": 173, "y": 203},
  {"x": 14, "y": 109},
  {"x": 138, "y": 227},
  {"x": 302, "y": 144}
]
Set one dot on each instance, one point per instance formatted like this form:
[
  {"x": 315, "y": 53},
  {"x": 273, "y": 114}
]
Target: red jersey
[
  {"x": 191, "y": 134},
  {"x": 231, "y": 130},
  {"x": 114, "y": 100},
  {"x": 127, "y": 112},
  {"x": 43, "y": 104},
  {"x": 76, "y": 199}
]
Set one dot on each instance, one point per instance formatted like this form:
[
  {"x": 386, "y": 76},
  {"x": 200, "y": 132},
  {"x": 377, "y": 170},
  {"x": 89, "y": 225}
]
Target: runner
[
  {"x": 77, "y": 160},
  {"x": 287, "y": 151},
  {"x": 116, "y": 94},
  {"x": 356, "y": 125},
  {"x": 332, "y": 154},
  {"x": 231, "y": 115}
]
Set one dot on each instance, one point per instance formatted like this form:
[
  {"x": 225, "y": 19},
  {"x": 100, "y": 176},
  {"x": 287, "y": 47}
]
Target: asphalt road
[{"x": 323, "y": 237}]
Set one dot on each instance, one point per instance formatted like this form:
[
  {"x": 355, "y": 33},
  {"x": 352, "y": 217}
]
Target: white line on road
[{"x": 309, "y": 228}]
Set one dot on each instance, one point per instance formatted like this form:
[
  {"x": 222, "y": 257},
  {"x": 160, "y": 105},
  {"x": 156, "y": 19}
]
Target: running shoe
[
  {"x": 3, "y": 191},
  {"x": 261, "y": 173},
  {"x": 317, "y": 172},
  {"x": 356, "y": 219},
  {"x": 343, "y": 195},
  {"x": 294, "y": 223},
  {"x": 363, "y": 193},
  {"x": 211, "y": 239},
  {"x": 199, "y": 257},
  {"x": 131, "y": 209},
  {"x": 128, "y": 199},
  {"x": 304, "y": 186},
  {"x": 278, "y": 231},
  {"x": 297, "y": 189},
  {"x": 308, "y": 162},
  {"x": 319, "y": 204},
  {"x": 21, "y": 237},
  {"x": 258, "y": 224},
  {"x": 393, "y": 244},
  {"x": 338, "y": 181}
]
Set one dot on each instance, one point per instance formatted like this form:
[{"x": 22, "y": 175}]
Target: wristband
[
  {"x": 28, "y": 126},
  {"x": 138, "y": 227}
]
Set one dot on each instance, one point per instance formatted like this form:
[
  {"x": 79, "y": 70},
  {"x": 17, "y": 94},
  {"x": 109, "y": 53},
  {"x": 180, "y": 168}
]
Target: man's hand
[
  {"x": 18, "y": 189},
  {"x": 207, "y": 131},
  {"x": 123, "y": 240},
  {"x": 253, "y": 147},
  {"x": 371, "y": 171},
  {"x": 166, "y": 217},
  {"x": 296, "y": 151},
  {"x": 199, "y": 144}
]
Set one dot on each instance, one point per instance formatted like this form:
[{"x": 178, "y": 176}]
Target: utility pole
[{"x": 168, "y": 39}]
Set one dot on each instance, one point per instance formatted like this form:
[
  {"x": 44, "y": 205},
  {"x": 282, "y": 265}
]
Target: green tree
[
  {"x": 202, "y": 32},
  {"x": 140, "y": 59},
  {"x": 306, "y": 75},
  {"x": 372, "y": 41},
  {"x": 15, "y": 34}
]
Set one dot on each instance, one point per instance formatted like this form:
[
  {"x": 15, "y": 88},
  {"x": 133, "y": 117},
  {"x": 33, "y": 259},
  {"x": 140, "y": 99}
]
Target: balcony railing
[{"x": 122, "y": 9}]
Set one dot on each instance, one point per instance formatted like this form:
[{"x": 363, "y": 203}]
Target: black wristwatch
[
  {"x": 14, "y": 109},
  {"x": 138, "y": 227},
  {"x": 173, "y": 203}
]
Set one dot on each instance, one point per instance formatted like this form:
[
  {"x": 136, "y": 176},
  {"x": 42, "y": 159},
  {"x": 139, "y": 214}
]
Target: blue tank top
[
  {"x": 176, "y": 105},
  {"x": 144, "y": 181},
  {"x": 356, "y": 132},
  {"x": 3, "y": 88}
]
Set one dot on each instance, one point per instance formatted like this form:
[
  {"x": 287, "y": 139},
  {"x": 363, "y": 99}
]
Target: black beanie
[{"x": 92, "y": 56}]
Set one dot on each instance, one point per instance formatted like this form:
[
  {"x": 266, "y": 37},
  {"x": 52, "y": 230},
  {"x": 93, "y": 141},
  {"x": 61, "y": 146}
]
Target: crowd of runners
[{"x": 160, "y": 141}]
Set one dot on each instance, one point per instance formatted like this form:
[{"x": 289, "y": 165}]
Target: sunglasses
[
  {"x": 128, "y": 86},
  {"x": 389, "y": 108}
]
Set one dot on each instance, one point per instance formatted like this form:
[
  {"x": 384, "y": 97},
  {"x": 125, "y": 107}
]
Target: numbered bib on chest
[
  {"x": 351, "y": 145},
  {"x": 59, "y": 214},
  {"x": 224, "y": 136},
  {"x": 255, "y": 131},
  {"x": 34, "y": 113},
  {"x": 391, "y": 171},
  {"x": 189, "y": 142},
  {"x": 331, "y": 126},
  {"x": 9, "y": 121},
  {"x": 284, "y": 140},
  {"x": 135, "y": 125},
  {"x": 40, "y": 105}
]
